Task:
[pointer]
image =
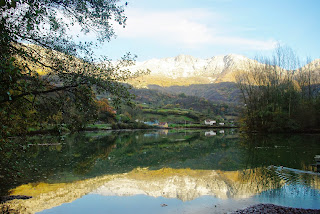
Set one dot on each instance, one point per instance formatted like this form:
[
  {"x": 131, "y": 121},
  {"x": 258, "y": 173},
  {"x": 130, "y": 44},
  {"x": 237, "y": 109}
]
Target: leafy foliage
[
  {"x": 278, "y": 96},
  {"x": 161, "y": 99},
  {"x": 106, "y": 111},
  {"x": 225, "y": 92},
  {"x": 47, "y": 76}
]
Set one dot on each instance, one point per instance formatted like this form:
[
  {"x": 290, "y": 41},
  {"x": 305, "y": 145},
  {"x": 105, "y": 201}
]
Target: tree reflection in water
[{"x": 241, "y": 163}]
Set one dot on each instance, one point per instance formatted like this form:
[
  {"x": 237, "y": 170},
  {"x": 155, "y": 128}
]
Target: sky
[{"x": 207, "y": 28}]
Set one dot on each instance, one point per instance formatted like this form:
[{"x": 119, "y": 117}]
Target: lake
[{"x": 159, "y": 171}]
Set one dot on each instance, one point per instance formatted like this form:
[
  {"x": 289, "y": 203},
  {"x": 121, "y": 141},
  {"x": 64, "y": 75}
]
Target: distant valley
[
  {"x": 212, "y": 78},
  {"x": 225, "y": 92}
]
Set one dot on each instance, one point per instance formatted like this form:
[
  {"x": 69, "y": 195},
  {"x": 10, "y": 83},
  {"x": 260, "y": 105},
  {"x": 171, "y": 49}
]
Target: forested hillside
[
  {"x": 226, "y": 92},
  {"x": 167, "y": 100}
]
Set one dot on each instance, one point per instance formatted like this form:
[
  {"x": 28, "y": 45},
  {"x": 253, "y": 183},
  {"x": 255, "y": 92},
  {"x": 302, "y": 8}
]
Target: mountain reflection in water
[{"x": 183, "y": 165}]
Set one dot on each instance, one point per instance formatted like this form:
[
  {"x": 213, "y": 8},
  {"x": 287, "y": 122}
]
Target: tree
[
  {"x": 274, "y": 90},
  {"x": 41, "y": 62},
  {"x": 106, "y": 112}
]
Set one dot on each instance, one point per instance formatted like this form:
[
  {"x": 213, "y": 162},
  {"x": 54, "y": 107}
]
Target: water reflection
[
  {"x": 182, "y": 184},
  {"x": 210, "y": 133},
  {"x": 187, "y": 184},
  {"x": 183, "y": 165}
]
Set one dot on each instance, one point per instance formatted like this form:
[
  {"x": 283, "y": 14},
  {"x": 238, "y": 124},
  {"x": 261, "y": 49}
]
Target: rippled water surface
[{"x": 186, "y": 171}]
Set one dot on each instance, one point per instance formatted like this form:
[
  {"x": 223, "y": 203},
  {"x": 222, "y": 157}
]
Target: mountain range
[
  {"x": 184, "y": 70},
  {"x": 212, "y": 78}
]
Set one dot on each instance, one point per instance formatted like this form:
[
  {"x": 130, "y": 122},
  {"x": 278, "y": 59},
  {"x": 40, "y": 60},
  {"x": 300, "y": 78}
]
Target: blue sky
[{"x": 206, "y": 28}]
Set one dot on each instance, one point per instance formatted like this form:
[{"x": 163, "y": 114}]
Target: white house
[
  {"x": 210, "y": 122},
  {"x": 221, "y": 124},
  {"x": 210, "y": 133}
]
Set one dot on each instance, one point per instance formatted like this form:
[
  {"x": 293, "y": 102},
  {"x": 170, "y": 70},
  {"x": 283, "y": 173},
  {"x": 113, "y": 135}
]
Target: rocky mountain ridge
[
  {"x": 187, "y": 70},
  {"x": 189, "y": 66}
]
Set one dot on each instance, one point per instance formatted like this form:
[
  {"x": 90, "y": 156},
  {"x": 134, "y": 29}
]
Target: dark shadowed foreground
[{"x": 271, "y": 208}]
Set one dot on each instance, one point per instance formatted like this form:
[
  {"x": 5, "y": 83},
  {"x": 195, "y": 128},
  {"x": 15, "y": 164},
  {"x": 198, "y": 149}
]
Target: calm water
[{"x": 159, "y": 171}]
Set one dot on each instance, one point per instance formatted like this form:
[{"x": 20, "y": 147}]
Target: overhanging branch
[{"x": 15, "y": 97}]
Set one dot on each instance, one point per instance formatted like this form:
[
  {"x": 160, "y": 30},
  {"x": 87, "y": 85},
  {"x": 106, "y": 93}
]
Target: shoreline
[
  {"x": 247, "y": 205},
  {"x": 272, "y": 208}
]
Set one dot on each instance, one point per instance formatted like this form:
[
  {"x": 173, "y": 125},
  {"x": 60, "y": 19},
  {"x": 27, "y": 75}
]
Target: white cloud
[
  {"x": 189, "y": 28},
  {"x": 243, "y": 43},
  {"x": 182, "y": 27}
]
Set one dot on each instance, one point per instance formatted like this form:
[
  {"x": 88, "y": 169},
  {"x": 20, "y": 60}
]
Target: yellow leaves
[
  {"x": 41, "y": 71},
  {"x": 296, "y": 85},
  {"x": 57, "y": 117},
  {"x": 104, "y": 106}
]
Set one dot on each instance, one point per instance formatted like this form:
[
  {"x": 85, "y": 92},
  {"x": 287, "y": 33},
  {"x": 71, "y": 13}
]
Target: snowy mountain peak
[
  {"x": 185, "y": 69},
  {"x": 184, "y": 58}
]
